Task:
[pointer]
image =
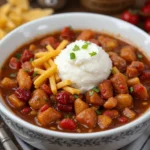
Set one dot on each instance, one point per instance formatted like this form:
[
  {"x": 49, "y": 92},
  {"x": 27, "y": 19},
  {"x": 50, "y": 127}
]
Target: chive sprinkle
[
  {"x": 76, "y": 96},
  {"x": 13, "y": 75},
  {"x": 76, "y": 48},
  {"x": 67, "y": 116},
  {"x": 91, "y": 93},
  {"x": 93, "y": 53},
  {"x": 72, "y": 56},
  {"x": 98, "y": 112},
  {"x": 34, "y": 74},
  {"x": 131, "y": 89},
  {"x": 18, "y": 55},
  {"x": 85, "y": 46},
  {"x": 140, "y": 56},
  {"x": 95, "y": 89}
]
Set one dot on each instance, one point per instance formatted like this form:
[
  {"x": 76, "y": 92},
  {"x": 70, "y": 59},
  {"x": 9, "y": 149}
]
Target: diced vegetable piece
[
  {"x": 111, "y": 113},
  {"x": 23, "y": 94},
  {"x": 24, "y": 80},
  {"x": 67, "y": 124},
  {"x": 104, "y": 121},
  {"x": 134, "y": 69},
  {"x": 93, "y": 98},
  {"x": 119, "y": 62},
  {"x": 48, "y": 116},
  {"x": 17, "y": 103},
  {"x": 50, "y": 41},
  {"x": 14, "y": 63},
  {"x": 129, "y": 113},
  {"x": 128, "y": 53},
  {"x": 46, "y": 88},
  {"x": 115, "y": 70},
  {"x": 44, "y": 107},
  {"x": 26, "y": 110},
  {"x": 119, "y": 83},
  {"x": 79, "y": 106},
  {"x": 87, "y": 118},
  {"x": 8, "y": 83},
  {"x": 133, "y": 81},
  {"x": 124, "y": 100},
  {"x": 26, "y": 56},
  {"x": 68, "y": 34},
  {"x": 27, "y": 66},
  {"x": 140, "y": 91},
  {"x": 110, "y": 103},
  {"x": 85, "y": 35},
  {"x": 106, "y": 89},
  {"x": 38, "y": 99},
  {"x": 109, "y": 44}
]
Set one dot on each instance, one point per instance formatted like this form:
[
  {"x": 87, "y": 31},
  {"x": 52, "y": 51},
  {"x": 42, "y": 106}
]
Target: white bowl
[{"x": 47, "y": 139}]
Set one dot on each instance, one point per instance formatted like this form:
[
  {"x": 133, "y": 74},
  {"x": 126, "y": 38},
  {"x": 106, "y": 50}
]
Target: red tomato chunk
[
  {"x": 14, "y": 63},
  {"x": 26, "y": 56}
]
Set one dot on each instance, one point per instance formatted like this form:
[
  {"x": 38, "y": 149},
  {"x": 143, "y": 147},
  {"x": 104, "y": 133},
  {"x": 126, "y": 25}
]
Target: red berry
[
  {"x": 123, "y": 119},
  {"x": 43, "y": 108},
  {"x": 26, "y": 110},
  {"x": 46, "y": 88},
  {"x": 14, "y": 63},
  {"x": 146, "y": 10},
  {"x": 23, "y": 94},
  {"x": 130, "y": 17},
  {"x": 63, "y": 97},
  {"x": 65, "y": 108},
  {"x": 67, "y": 124},
  {"x": 26, "y": 56},
  {"x": 147, "y": 25}
]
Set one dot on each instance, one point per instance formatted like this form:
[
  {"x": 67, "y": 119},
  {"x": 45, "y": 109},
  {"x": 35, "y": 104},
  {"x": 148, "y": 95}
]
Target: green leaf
[
  {"x": 76, "y": 96},
  {"x": 76, "y": 48},
  {"x": 72, "y": 56},
  {"x": 140, "y": 56},
  {"x": 98, "y": 112},
  {"x": 34, "y": 74},
  {"x": 131, "y": 89},
  {"x": 91, "y": 93},
  {"x": 96, "y": 89},
  {"x": 18, "y": 55},
  {"x": 93, "y": 53},
  {"x": 13, "y": 75}
]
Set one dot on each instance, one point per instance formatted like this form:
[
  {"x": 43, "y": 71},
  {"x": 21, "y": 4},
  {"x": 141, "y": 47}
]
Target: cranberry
[
  {"x": 63, "y": 97},
  {"x": 26, "y": 56},
  {"x": 65, "y": 108},
  {"x": 44, "y": 107},
  {"x": 67, "y": 124},
  {"x": 23, "y": 94},
  {"x": 26, "y": 110},
  {"x": 123, "y": 119},
  {"x": 46, "y": 88}
]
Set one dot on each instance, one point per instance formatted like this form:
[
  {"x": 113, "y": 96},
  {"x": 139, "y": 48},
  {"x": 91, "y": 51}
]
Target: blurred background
[{"x": 14, "y": 13}]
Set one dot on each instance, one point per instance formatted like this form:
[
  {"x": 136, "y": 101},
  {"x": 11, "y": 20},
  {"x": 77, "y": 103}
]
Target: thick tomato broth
[{"x": 68, "y": 122}]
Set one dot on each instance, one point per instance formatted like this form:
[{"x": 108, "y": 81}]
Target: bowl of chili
[{"x": 108, "y": 116}]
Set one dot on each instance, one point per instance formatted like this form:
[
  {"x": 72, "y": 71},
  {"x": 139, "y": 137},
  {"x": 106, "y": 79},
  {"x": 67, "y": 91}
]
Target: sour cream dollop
[{"x": 84, "y": 63}]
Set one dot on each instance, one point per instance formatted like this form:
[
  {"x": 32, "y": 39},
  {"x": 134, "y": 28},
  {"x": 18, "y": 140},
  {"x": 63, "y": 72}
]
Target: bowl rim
[{"x": 67, "y": 135}]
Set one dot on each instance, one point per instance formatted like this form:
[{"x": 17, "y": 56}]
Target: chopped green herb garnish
[
  {"x": 31, "y": 59},
  {"x": 131, "y": 89},
  {"x": 18, "y": 55},
  {"x": 13, "y": 75},
  {"x": 140, "y": 56},
  {"x": 96, "y": 89},
  {"x": 85, "y": 46},
  {"x": 26, "y": 70},
  {"x": 72, "y": 56},
  {"x": 34, "y": 74},
  {"x": 67, "y": 116},
  {"x": 93, "y": 53},
  {"x": 91, "y": 93},
  {"x": 46, "y": 99},
  {"x": 76, "y": 48},
  {"x": 76, "y": 96},
  {"x": 98, "y": 112}
]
